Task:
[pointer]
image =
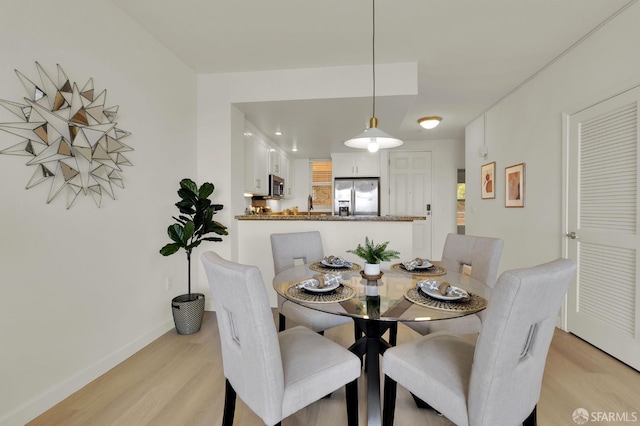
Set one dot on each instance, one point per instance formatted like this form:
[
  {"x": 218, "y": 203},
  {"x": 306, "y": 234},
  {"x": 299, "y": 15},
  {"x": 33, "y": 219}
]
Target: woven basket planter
[{"x": 188, "y": 311}]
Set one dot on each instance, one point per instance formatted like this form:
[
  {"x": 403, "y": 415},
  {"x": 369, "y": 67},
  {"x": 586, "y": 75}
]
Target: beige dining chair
[
  {"x": 497, "y": 380},
  {"x": 275, "y": 374},
  {"x": 289, "y": 249},
  {"x": 482, "y": 256}
]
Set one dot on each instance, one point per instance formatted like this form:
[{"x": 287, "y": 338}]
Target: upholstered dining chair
[
  {"x": 275, "y": 374},
  {"x": 305, "y": 247},
  {"x": 497, "y": 380},
  {"x": 482, "y": 255}
]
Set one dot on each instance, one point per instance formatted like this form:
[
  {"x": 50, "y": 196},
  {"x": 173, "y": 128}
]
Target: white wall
[
  {"x": 527, "y": 127},
  {"x": 84, "y": 288}
]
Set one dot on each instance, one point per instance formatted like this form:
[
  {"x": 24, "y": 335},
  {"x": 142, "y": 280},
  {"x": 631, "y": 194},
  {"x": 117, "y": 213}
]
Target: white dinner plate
[
  {"x": 331, "y": 265},
  {"x": 312, "y": 286},
  {"x": 431, "y": 288}
]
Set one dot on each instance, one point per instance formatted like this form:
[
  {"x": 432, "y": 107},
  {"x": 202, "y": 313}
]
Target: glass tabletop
[{"x": 382, "y": 299}]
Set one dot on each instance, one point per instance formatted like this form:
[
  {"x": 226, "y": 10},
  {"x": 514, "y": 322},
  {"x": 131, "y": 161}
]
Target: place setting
[
  {"x": 443, "y": 295},
  {"x": 321, "y": 288},
  {"x": 419, "y": 266},
  {"x": 334, "y": 264}
]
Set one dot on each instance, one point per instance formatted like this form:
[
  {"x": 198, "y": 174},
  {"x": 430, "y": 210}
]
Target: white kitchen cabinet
[
  {"x": 355, "y": 165},
  {"x": 275, "y": 163},
  {"x": 288, "y": 174},
  {"x": 280, "y": 166},
  {"x": 256, "y": 170}
]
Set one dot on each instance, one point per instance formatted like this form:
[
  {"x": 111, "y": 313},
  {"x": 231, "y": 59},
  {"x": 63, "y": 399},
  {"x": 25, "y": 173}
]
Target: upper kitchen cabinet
[
  {"x": 256, "y": 170},
  {"x": 356, "y": 165},
  {"x": 280, "y": 166},
  {"x": 277, "y": 163},
  {"x": 286, "y": 167}
]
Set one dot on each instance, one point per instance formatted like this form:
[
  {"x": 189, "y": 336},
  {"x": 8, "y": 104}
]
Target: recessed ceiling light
[
  {"x": 294, "y": 149},
  {"x": 429, "y": 122},
  {"x": 248, "y": 134},
  {"x": 278, "y": 133}
]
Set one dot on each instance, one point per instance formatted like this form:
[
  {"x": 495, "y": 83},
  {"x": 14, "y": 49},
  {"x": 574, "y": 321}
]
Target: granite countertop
[{"x": 331, "y": 218}]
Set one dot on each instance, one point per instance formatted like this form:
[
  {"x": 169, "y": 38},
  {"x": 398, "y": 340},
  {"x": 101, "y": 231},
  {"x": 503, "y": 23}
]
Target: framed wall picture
[
  {"x": 514, "y": 185},
  {"x": 488, "y": 179}
]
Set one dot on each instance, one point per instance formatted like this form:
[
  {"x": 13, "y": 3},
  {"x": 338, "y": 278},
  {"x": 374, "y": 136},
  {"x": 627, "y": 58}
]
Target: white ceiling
[{"x": 470, "y": 53}]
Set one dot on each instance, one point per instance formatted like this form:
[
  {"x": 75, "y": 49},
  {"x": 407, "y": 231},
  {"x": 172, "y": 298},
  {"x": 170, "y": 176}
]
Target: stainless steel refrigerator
[{"x": 356, "y": 196}]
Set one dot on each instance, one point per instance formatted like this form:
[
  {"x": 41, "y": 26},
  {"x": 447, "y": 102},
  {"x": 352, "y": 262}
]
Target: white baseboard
[{"x": 50, "y": 397}]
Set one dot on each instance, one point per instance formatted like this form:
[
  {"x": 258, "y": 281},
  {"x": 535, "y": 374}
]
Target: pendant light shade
[{"x": 373, "y": 138}]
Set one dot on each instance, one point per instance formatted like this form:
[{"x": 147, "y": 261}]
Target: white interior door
[
  {"x": 410, "y": 193},
  {"x": 604, "y": 303}
]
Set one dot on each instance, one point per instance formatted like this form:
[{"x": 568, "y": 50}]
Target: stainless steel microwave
[{"x": 276, "y": 187}]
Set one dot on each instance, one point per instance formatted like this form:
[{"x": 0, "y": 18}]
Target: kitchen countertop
[{"x": 332, "y": 218}]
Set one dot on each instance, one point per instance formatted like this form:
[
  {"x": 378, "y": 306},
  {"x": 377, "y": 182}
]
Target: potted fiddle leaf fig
[
  {"x": 192, "y": 227},
  {"x": 373, "y": 254}
]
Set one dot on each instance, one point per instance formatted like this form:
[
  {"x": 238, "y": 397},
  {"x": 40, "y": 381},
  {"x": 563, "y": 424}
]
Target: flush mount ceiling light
[
  {"x": 373, "y": 138},
  {"x": 429, "y": 122}
]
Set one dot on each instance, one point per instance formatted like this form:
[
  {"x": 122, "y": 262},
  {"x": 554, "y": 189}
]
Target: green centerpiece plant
[
  {"x": 373, "y": 254},
  {"x": 193, "y": 225}
]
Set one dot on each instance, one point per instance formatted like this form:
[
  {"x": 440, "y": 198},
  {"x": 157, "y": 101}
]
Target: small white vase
[{"x": 371, "y": 269}]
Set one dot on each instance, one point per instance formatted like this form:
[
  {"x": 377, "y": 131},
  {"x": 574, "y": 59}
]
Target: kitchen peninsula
[
  {"x": 331, "y": 218},
  {"x": 339, "y": 234}
]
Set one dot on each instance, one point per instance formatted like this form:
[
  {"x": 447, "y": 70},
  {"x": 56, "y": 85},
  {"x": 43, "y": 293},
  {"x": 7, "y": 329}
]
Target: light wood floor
[{"x": 178, "y": 380}]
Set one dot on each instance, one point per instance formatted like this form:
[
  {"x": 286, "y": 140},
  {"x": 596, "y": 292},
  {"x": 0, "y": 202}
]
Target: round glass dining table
[{"x": 376, "y": 305}]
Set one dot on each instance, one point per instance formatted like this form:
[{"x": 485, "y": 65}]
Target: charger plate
[
  {"x": 342, "y": 293},
  {"x": 474, "y": 303},
  {"x": 431, "y": 272},
  {"x": 319, "y": 267}
]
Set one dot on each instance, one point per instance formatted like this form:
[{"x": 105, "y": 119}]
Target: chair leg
[
  {"x": 351, "y": 390},
  {"x": 229, "y": 404},
  {"x": 532, "y": 419},
  {"x": 282, "y": 322},
  {"x": 393, "y": 334},
  {"x": 389, "y": 407},
  {"x": 357, "y": 333}
]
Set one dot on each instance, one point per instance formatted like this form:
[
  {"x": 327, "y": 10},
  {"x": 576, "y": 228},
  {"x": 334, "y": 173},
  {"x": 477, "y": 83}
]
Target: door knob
[{"x": 572, "y": 235}]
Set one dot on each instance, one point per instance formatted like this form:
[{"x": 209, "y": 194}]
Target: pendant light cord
[{"x": 373, "y": 55}]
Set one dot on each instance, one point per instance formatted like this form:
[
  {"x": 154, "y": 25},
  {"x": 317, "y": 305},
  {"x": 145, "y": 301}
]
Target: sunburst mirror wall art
[{"x": 70, "y": 136}]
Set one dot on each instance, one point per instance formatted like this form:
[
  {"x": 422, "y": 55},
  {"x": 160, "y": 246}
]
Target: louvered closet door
[{"x": 604, "y": 304}]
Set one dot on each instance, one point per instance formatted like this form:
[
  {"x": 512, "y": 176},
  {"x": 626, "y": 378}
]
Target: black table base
[{"x": 370, "y": 347}]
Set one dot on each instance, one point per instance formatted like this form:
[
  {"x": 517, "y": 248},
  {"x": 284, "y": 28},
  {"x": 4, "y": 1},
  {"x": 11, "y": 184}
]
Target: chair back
[
  {"x": 513, "y": 343},
  {"x": 250, "y": 347},
  {"x": 288, "y": 247},
  {"x": 481, "y": 253}
]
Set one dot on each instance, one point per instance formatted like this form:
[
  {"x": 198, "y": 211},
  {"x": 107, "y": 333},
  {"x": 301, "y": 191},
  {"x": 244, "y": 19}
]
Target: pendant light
[{"x": 373, "y": 138}]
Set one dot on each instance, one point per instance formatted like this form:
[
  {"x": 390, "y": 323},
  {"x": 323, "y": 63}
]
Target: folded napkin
[
  {"x": 411, "y": 265},
  {"x": 321, "y": 281},
  {"x": 442, "y": 287},
  {"x": 337, "y": 261}
]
